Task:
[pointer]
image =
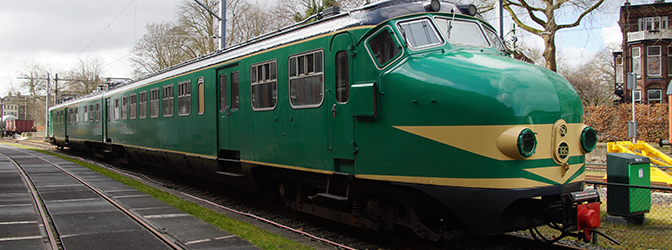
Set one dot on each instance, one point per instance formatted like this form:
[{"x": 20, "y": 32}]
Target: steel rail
[
  {"x": 169, "y": 240},
  {"x": 41, "y": 208}
]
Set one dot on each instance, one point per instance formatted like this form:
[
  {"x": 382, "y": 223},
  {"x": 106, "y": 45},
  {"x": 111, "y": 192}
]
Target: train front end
[{"x": 497, "y": 141}]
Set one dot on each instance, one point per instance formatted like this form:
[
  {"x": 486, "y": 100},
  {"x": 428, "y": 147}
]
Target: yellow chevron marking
[{"x": 555, "y": 173}]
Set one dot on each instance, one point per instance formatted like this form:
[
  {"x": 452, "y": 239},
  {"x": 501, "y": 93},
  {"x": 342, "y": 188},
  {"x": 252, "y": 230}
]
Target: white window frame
[
  {"x": 184, "y": 97},
  {"x": 653, "y": 61},
  {"x": 259, "y": 76},
  {"x": 657, "y": 100},
  {"x": 636, "y": 61},
  {"x": 296, "y": 76},
  {"x": 168, "y": 100},
  {"x": 638, "y": 96},
  {"x": 619, "y": 69}
]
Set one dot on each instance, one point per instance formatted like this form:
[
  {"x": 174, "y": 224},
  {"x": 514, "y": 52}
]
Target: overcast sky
[{"x": 59, "y": 33}]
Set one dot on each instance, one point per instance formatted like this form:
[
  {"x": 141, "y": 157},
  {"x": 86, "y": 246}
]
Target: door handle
[{"x": 333, "y": 110}]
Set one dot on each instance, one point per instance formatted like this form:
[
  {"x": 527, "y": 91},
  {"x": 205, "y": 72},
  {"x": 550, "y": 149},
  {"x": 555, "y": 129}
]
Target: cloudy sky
[{"x": 60, "y": 33}]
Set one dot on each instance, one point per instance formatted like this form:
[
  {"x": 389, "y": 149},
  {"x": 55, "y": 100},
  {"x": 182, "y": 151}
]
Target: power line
[{"x": 101, "y": 32}]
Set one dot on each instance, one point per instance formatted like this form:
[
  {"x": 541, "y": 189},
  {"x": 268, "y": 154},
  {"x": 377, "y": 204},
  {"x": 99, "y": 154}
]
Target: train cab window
[
  {"x": 142, "y": 104},
  {"x": 201, "y": 96},
  {"x": 184, "y": 98},
  {"x": 495, "y": 41},
  {"x": 419, "y": 33},
  {"x": 263, "y": 81},
  {"x": 235, "y": 91},
  {"x": 168, "y": 94},
  {"x": 124, "y": 108},
  {"x": 133, "y": 107},
  {"x": 342, "y": 77},
  {"x": 306, "y": 81},
  {"x": 383, "y": 47},
  {"x": 97, "y": 112},
  {"x": 117, "y": 110},
  {"x": 154, "y": 103},
  {"x": 462, "y": 32}
]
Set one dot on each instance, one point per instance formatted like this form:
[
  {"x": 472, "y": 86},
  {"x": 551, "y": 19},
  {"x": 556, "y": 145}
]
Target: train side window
[
  {"x": 92, "y": 113},
  {"x": 133, "y": 108},
  {"x": 124, "y": 108},
  {"x": 97, "y": 112},
  {"x": 154, "y": 103},
  {"x": 235, "y": 91},
  {"x": 184, "y": 98},
  {"x": 168, "y": 94},
  {"x": 342, "y": 77},
  {"x": 201, "y": 96},
  {"x": 86, "y": 113},
  {"x": 383, "y": 47},
  {"x": 263, "y": 82},
  {"x": 306, "y": 81},
  {"x": 142, "y": 104},
  {"x": 116, "y": 109}
]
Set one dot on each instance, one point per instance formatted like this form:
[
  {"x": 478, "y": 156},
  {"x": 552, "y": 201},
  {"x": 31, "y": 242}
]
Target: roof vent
[{"x": 331, "y": 11}]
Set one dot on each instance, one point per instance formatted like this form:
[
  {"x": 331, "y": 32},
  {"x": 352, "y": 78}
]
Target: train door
[
  {"x": 341, "y": 125},
  {"x": 105, "y": 119},
  {"x": 228, "y": 105}
]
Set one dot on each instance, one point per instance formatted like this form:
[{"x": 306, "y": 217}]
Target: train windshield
[
  {"x": 462, "y": 32},
  {"x": 419, "y": 33}
]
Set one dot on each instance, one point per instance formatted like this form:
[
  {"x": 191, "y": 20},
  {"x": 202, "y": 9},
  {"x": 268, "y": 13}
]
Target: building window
[
  {"x": 653, "y": 66},
  {"x": 638, "y": 96},
  {"x": 669, "y": 60},
  {"x": 184, "y": 98},
  {"x": 654, "y": 96},
  {"x": 263, "y": 81},
  {"x": 653, "y": 23},
  {"x": 619, "y": 69},
  {"x": 132, "y": 112},
  {"x": 306, "y": 80},
  {"x": 636, "y": 61},
  {"x": 154, "y": 103},
  {"x": 142, "y": 104},
  {"x": 342, "y": 77}
]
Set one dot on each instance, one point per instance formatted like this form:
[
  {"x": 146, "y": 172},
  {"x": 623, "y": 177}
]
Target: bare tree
[
  {"x": 88, "y": 72},
  {"x": 164, "y": 45},
  {"x": 201, "y": 27},
  {"x": 545, "y": 13},
  {"x": 594, "y": 80},
  {"x": 33, "y": 81}
]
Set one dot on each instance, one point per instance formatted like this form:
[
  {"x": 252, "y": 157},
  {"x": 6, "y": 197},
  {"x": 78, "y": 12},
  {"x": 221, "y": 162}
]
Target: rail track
[
  {"x": 22, "y": 158},
  {"x": 268, "y": 210}
]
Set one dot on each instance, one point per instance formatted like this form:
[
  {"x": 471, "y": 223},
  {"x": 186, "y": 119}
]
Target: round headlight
[
  {"x": 588, "y": 139},
  {"x": 527, "y": 143}
]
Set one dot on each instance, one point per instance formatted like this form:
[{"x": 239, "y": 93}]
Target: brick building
[{"x": 646, "y": 51}]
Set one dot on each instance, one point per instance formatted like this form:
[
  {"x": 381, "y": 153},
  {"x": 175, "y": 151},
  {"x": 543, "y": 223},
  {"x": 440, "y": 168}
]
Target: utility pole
[
  {"x": 48, "y": 78},
  {"x": 222, "y": 20}
]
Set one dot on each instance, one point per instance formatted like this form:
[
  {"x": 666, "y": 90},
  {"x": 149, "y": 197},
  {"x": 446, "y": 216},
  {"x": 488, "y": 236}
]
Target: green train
[{"x": 399, "y": 114}]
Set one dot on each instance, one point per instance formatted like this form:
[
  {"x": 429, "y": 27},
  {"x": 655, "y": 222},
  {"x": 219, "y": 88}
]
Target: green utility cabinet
[{"x": 628, "y": 169}]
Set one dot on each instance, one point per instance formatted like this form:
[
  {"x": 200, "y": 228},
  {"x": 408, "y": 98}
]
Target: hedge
[{"x": 611, "y": 121}]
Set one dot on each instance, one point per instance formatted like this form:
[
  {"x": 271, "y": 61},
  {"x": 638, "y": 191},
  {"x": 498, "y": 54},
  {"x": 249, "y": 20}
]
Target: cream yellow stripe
[
  {"x": 481, "y": 139},
  {"x": 499, "y": 183},
  {"x": 555, "y": 173}
]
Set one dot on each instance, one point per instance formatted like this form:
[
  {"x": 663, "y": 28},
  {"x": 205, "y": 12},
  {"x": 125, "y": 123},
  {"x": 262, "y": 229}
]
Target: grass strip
[{"x": 257, "y": 236}]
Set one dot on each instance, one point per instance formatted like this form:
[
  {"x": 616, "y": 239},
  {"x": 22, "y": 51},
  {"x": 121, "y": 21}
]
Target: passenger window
[
  {"x": 92, "y": 113},
  {"x": 168, "y": 94},
  {"x": 383, "y": 48},
  {"x": 116, "y": 109},
  {"x": 124, "y": 108},
  {"x": 97, "y": 112},
  {"x": 419, "y": 33},
  {"x": 154, "y": 103},
  {"x": 184, "y": 98},
  {"x": 142, "y": 104},
  {"x": 306, "y": 82},
  {"x": 201, "y": 96},
  {"x": 263, "y": 81},
  {"x": 132, "y": 112},
  {"x": 223, "y": 101},
  {"x": 342, "y": 77}
]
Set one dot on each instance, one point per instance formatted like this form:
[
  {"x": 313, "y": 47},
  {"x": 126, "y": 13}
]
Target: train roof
[{"x": 367, "y": 15}]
